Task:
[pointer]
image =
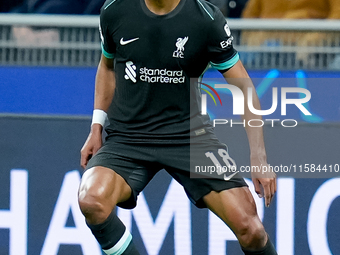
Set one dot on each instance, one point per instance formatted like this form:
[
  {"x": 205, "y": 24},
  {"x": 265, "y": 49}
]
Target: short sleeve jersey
[{"x": 157, "y": 59}]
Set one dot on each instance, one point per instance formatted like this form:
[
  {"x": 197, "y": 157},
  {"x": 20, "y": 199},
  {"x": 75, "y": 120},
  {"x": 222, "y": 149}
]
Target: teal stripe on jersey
[
  {"x": 106, "y": 54},
  {"x": 226, "y": 65},
  {"x": 205, "y": 9},
  {"x": 109, "y": 4}
]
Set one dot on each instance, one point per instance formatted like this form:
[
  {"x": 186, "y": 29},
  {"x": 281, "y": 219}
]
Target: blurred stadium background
[{"x": 47, "y": 69}]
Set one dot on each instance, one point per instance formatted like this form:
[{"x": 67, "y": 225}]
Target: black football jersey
[{"x": 157, "y": 61}]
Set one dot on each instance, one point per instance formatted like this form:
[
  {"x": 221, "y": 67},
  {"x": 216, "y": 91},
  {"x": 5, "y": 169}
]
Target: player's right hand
[{"x": 92, "y": 144}]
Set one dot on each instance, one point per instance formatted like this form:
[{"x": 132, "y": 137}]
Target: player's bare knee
[
  {"x": 89, "y": 203},
  {"x": 92, "y": 204},
  {"x": 252, "y": 235}
]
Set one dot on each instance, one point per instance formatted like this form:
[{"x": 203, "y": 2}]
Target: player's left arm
[
  {"x": 265, "y": 183},
  {"x": 225, "y": 58}
]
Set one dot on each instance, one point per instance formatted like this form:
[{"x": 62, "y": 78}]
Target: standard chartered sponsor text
[{"x": 161, "y": 75}]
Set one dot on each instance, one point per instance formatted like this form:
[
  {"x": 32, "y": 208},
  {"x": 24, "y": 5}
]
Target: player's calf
[{"x": 113, "y": 237}]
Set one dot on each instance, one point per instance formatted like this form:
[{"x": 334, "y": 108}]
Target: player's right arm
[
  {"x": 104, "y": 91},
  {"x": 104, "y": 87}
]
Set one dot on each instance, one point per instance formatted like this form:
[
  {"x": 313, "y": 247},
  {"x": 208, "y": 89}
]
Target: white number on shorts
[{"x": 230, "y": 163}]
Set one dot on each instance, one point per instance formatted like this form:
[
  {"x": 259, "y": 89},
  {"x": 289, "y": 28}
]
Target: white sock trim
[{"x": 121, "y": 245}]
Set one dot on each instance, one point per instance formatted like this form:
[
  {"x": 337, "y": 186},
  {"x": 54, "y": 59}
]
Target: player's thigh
[
  {"x": 121, "y": 170},
  {"x": 104, "y": 186},
  {"x": 99, "y": 192},
  {"x": 237, "y": 208}
]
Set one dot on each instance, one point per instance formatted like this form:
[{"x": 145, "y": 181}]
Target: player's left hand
[{"x": 264, "y": 180}]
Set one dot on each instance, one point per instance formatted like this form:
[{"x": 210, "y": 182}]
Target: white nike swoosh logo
[
  {"x": 227, "y": 178},
  {"x": 122, "y": 42}
]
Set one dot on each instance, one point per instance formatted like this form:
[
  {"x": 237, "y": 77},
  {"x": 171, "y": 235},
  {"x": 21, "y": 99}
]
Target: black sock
[
  {"x": 268, "y": 249},
  {"x": 113, "y": 236}
]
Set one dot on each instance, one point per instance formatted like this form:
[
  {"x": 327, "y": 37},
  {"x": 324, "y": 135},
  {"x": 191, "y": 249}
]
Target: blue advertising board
[{"x": 69, "y": 91}]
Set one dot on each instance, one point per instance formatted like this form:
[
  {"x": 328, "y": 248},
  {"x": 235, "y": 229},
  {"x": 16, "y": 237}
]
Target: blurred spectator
[
  {"x": 230, "y": 8},
  {"x": 297, "y": 9},
  {"x": 65, "y": 6},
  {"x": 265, "y": 9},
  {"x": 291, "y": 9},
  {"x": 60, "y": 6},
  {"x": 7, "y": 5},
  {"x": 26, "y": 36},
  {"x": 284, "y": 9},
  {"x": 235, "y": 8}
]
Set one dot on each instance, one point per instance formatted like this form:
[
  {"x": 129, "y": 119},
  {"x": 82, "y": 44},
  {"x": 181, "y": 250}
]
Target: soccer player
[{"x": 150, "y": 51}]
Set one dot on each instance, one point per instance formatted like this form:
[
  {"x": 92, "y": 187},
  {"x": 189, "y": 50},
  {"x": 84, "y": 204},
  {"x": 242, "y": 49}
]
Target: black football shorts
[{"x": 201, "y": 166}]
